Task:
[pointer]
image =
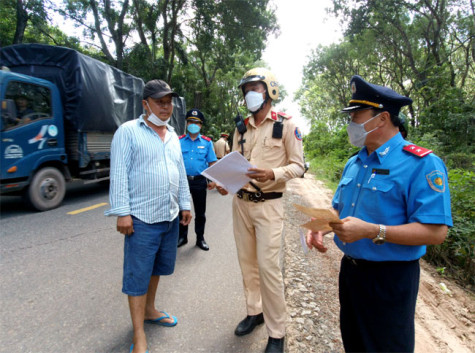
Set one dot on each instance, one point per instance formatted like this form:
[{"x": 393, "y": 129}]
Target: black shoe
[
  {"x": 275, "y": 345},
  {"x": 202, "y": 245},
  {"x": 181, "y": 242},
  {"x": 248, "y": 324}
]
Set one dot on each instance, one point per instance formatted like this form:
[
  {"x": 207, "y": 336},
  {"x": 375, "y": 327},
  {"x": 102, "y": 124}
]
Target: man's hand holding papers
[{"x": 229, "y": 173}]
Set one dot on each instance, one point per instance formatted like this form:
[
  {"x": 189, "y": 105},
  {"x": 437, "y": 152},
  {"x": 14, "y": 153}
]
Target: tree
[
  {"x": 425, "y": 43},
  {"x": 29, "y": 22},
  {"x": 420, "y": 49},
  {"x": 17, "y": 16},
  {"x": 110, "y": 24},
  {"x": 226, "y": 39},
  {"x": 28, "y": 10}
]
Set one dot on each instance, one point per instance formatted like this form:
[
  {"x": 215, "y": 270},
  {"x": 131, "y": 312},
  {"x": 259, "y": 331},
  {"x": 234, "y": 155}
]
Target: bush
[
  {"x": 456, "y": 254},
  {"x": 459, "y": 160},
  {"x": 328, "y": 153}
]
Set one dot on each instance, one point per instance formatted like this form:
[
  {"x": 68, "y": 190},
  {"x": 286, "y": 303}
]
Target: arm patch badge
[
  {"x": 436, "y": 181},
  {"x": 298, "y": 134}
]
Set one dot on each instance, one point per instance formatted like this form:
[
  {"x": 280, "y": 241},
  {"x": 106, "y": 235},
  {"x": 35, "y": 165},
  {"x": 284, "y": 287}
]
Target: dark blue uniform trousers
[
  {"x": 198, "y": 189},
  {"x": 377, "y": 305}
]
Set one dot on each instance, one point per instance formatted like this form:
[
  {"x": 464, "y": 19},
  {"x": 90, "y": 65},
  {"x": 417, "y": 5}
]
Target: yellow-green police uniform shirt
[{"x": 283, "y": 155}]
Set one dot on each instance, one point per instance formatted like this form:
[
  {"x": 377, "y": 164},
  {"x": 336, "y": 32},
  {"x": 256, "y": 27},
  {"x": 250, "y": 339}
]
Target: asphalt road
[{"x": 61, "y": 280}]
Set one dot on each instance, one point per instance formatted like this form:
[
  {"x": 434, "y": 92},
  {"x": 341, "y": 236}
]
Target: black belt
[
  {"x": 195, "y": 177},
  {"x": 257, "y": 196},
  {"x": 368, "y": 263}
]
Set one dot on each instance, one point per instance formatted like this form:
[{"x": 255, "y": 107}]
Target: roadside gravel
[{"x": 310, "y": 279}]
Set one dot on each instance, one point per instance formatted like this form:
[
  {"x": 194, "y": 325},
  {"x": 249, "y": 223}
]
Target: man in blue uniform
[
  {"x": 198, "y": 154},
  {"x": 393, "y": 199}
]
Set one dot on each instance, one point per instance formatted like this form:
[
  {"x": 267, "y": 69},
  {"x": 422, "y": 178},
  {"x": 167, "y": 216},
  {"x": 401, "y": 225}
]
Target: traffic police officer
[
  {"x": 393, "y": 199},
  {"x": 273, "y": 143},
  {"x": 221, "y": 147},
  {"x": 198, "y": 154}
]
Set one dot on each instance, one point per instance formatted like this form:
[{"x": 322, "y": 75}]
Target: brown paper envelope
[
  {"x": 317, "y": 226},
  {"x": 322, "y": 214}
]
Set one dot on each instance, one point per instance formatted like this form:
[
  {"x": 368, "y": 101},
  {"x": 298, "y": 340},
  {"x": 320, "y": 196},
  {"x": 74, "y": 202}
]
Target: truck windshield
[{"x": 32, "y": 102}]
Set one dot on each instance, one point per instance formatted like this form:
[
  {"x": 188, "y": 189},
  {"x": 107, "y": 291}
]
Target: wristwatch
[{"x": 381, "y": 237}]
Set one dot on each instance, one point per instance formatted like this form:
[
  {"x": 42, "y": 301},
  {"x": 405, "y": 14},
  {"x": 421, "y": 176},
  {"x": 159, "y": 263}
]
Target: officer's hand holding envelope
[{"x": 321, "y": 218}]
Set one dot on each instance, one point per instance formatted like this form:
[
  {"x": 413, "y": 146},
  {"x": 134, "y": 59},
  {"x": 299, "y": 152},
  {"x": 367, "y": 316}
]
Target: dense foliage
[
  {"x": 424, "y": 50},
  {"x": 459, "y": 249},
  {"x": 200, "y": 47}
]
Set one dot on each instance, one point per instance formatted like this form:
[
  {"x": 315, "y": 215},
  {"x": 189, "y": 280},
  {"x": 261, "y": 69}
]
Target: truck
[{"x": 59, "y": 111}]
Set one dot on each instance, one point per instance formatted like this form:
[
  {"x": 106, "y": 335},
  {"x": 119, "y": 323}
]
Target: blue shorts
[{"x": 149, "y": 251}]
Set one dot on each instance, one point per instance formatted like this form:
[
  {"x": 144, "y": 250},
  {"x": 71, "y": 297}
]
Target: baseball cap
[{"x": 157, "y": 89}]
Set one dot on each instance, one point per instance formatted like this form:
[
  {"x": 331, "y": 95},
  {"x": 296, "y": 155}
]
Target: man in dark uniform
[
  {"x": 393, "y": 199},
  {"x": 198, "y": 154}
]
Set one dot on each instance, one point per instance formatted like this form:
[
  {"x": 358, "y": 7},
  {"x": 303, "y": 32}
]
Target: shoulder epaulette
[
  {"x": 416, "y": 150},
  {"x": 180, "y": 137},
  {"x": 284, "y": 115},
  {"x": 206, "y": 138}
]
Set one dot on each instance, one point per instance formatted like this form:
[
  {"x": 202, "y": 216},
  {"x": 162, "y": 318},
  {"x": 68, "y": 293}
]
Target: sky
[{"x": 304, "y": 24}]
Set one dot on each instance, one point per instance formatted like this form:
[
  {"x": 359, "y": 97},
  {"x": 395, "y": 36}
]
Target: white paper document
[{"x": 229, "y": 172}]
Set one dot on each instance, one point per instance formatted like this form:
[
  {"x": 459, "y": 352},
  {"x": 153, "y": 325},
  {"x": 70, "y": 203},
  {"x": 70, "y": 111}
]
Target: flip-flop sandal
[
  {"x": 132, "y": 348},
  {"x": 158, "y": 321}
]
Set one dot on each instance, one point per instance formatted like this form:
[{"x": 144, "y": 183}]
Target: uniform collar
[
  {"x": 189, "y": 137},
  {"x": 268, "y": 117},
  {"x": 385, "y": 150}
]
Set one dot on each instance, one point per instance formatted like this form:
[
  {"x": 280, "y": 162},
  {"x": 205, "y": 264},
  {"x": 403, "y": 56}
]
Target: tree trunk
[{"x": 22, "y": 20}]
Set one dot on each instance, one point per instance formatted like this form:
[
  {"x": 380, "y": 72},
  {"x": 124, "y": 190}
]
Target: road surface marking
[{"x": 88, "y": 208}]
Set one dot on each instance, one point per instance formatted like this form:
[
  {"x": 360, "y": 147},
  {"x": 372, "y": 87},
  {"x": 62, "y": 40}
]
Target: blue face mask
[{"x": 193, "y": 128}]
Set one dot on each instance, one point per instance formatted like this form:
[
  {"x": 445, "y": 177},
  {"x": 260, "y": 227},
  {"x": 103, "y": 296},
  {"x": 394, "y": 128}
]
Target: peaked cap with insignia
[
  {"x": 195, "y": 115},
  {"x": 367, "y": 95}
]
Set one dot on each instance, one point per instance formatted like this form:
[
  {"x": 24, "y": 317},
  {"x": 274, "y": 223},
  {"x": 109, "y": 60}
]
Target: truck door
[{"x": 27, "y": 130}]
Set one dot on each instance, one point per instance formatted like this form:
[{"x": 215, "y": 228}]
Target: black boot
[
  {"x": 202, "y": 245},
  {"x": 275, "y": 345},
  {"x": 181, "y": 242},
  {"x": 248, "y": 324}
]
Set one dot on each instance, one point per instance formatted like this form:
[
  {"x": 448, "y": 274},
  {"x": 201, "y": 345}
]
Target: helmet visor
[{"x": 252, "y": 78}]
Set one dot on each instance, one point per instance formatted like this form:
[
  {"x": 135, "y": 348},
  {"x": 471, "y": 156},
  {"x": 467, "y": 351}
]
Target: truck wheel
[{"x": 47, "y": 189}]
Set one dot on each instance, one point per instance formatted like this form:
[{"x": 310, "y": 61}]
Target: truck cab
[{"x": 32, "y": 145}]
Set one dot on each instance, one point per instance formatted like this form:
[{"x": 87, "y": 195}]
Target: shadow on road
[{"x": 76, "y": 192}]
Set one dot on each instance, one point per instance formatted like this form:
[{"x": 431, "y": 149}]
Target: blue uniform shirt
[
  {"x": 392, "y": 187},
  {"x": 197, "y": 154}
]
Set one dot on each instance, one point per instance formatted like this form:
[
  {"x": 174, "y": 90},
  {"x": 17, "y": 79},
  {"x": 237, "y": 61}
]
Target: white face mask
[
  {"x": 155, "y": 120},
  {"x": 254, "y": 100},
  {"x": 357, "y": 132}
]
